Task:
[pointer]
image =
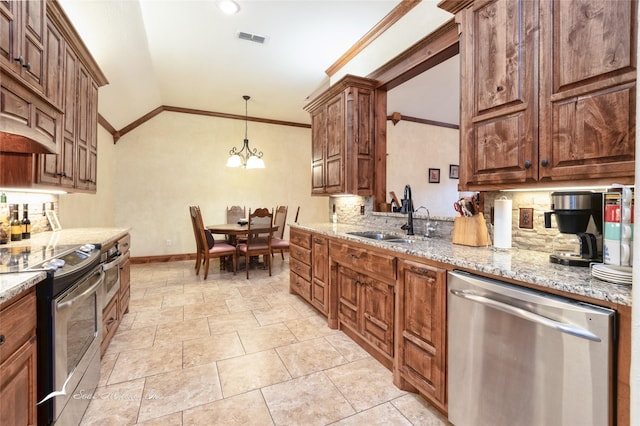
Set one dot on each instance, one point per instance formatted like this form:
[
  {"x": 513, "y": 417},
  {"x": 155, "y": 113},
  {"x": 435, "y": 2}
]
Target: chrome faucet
[{"x": 407, "y": 205}]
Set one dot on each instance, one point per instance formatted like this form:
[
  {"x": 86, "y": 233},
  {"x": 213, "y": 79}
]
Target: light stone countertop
[
  {"x": 12, "y": 284},
  {"x": 526, "y": 266}
]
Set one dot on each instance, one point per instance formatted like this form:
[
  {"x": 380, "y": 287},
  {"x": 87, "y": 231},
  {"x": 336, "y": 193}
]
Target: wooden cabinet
[
  {"x": 75, "y": 164},
  {"x": 342, "y": 121},
  {"x": 547, "y": 92},
  {"x": 421, "y": 330},
  {"x": 365, "y": 286},
  {"x": 22, "y": 40},
  {"x": 320, "y": 273},
  {"x": 18, "y": 356},
  {"x": 110, "y": 321},
  {"x": 124, "y": 295},
  {"x": 308, "y": 265}
]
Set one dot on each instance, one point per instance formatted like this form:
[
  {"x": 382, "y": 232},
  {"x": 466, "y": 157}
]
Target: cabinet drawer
[
  {"x": 300, "y": 268},
  {"x": 300, "y": 254},
  {"x": 124, "y": 243},
  {"x": 17, "y": 324},
  {"x": 375, "y": 264},
  {"x": 300, "y": 285},
  {"x": 110, "y": 323},
  {"x": 300, "y": 238}
]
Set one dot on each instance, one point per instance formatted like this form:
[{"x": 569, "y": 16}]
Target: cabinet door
[
  {"x": 360, "y": 118},
  {"x": 499, "y": 44},
  {"x": 377, "y": 313},
  {"x": 349, "y": 283},
  {"x": 320, "y": 268},
  {"x": 18, "y": 387},
  {"x": 588, "y": 89},
  {"x": 422, "y": 316},
  {"x": 8, "y": 30},
  {"x": 334, "y": 164},
  {"x": 318, "y": 150},
  {"x": 54, "y": 63}
]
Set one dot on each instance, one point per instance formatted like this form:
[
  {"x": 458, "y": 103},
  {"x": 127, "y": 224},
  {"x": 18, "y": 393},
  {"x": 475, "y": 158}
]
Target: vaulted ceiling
[{"x": 187, "y": 54}]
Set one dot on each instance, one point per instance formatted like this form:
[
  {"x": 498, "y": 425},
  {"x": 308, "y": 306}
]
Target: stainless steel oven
[
  {"x": 111, "y": 259},
  {"x": 69, "y": 334}
]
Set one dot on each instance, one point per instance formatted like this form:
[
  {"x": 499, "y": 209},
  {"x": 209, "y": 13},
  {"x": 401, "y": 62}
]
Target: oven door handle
[
  {"x": 113, "y": 263},
  {"x": 74, "y": 298}
]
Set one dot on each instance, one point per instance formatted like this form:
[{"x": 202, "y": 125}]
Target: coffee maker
[{"x": 574, "y": 246}]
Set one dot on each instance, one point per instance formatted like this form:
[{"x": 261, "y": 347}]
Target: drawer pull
[
  {"x": 2, "y": 339},
  {"x": 354, "y": 256},
  {"x": 317, "y": 240},
  {"x": 420, "y": 270}
]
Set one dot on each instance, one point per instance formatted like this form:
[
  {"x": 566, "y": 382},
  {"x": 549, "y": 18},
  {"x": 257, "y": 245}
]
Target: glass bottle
[
  {"x": 16, "y": 225},
  {"x": 26, "y": 223}
]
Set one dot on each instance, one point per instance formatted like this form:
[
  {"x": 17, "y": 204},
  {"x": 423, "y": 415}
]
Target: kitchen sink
[{"x": 381, "y": 236}]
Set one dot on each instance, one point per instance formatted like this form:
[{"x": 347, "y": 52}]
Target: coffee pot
[{"x": 573, "y": 210}]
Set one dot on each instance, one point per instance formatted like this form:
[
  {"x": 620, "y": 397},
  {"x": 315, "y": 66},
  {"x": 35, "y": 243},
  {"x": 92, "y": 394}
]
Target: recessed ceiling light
[{"x": 228, "y": 7}]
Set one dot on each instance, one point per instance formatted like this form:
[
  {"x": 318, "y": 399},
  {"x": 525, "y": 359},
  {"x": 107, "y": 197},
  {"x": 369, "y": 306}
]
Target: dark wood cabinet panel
[
  {"x": 548, "y": 92},
  {"x": 309, "y": 264},
  {"x": 421, "y": 329},
  {"x": 342, "y": 121}
]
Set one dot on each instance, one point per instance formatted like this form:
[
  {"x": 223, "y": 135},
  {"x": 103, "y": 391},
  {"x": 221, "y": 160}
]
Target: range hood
[{"x": 26, "y": 144}]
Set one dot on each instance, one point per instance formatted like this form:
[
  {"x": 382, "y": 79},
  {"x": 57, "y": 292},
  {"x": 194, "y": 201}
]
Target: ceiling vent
[{"x": 251, "y": 37}]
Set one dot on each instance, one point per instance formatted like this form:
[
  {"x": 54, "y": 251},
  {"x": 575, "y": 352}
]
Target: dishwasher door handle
[{"x": 527, "y": 315}]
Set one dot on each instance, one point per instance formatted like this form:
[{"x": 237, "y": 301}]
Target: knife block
[{"x": 471, "y": 231}]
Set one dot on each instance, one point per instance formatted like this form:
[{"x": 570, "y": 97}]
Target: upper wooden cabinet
[
  {"x": 547, "y": 92},
  {"x": 22, "y": 33},
  {"x": 342, "y": 121}
]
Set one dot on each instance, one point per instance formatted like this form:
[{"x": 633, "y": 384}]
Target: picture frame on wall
[
  {"x": 454, "y": 171},
  {"x": 434, "y": 175}
]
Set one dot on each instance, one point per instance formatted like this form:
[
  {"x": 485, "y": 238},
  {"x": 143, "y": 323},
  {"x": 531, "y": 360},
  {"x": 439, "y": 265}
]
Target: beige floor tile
[
  {"x": 147, "y": 302},
  {"x": 241, "y": 410},
  {"x": 253, "y": 290},
  {"x": 126, "y": 323},
  {"x": 347, "y": 347},
  {"x": 171, "y": 290},
  {"x": 381, "y": 415},
  {"x": 206, "y": 309},
  {"x": 182, "y": 299},
  {"x": 218, "y": 293},
  {"x": 106, "y": 366},
  {"x": 365, "y": 383},
  {"x": 276, "y": 314},
  {"x": 158, "y": 316},
  {"x": 179, "y": 390},
  {"x": 145, "y": 362},
  {"x": 211, "y": 349},
  {"x": 115, "y": 405},
  {"x": 184, "y": 330},
  {"x": 174, "y": 419},
  {"x": 234, "y": 321},
  {"x": 246, "y": 303},
  {"x": 128, "y": 340},
  {"x": 309, "y": 357},
  {"x": 267, "y": 337},
  {"x": 307, "y": 400},
  {"x": 249, "y": 372},
  {"x": 310, "y": 327},
  {"x": 418, "y": 411}
]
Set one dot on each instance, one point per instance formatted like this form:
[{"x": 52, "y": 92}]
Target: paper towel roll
[{"x": 502, "y": 223}]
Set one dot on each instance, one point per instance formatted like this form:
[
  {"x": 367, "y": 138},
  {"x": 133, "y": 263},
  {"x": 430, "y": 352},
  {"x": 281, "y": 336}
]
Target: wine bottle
[
  {"x": 26, "y": 223},
  {"x": 16, "y": 225}
]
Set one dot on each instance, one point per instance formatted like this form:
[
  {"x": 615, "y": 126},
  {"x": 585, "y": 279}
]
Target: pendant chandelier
[{"x": 245, "y": 157}]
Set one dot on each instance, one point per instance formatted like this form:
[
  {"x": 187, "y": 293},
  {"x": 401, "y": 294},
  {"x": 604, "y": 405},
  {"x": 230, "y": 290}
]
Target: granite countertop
[
  {"x": 527, "y": 266},
  {"x": 12, "y": 284}
]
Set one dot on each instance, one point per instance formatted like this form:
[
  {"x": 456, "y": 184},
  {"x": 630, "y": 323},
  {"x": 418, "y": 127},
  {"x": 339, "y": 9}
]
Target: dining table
[{"x": 235, "y": 230}]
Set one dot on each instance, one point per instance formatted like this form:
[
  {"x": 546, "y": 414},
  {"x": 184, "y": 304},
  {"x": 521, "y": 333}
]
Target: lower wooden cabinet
[
  {"x": 18, "y": 361},
  {"x": 365, "y": 305},
  {"x": 118, "y": 306},
  {"x": 110, "y": 322},
  {"x": 421, "y": 330},
  {"x": 309, "y": 265},
  {"x": 320, "y": 273}
]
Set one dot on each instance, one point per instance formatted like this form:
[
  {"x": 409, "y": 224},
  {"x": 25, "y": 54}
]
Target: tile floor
[{"x": 231, "y": 351}]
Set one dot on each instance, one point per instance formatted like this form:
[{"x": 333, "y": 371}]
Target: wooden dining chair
[
  {"x": 207, "y": 247},
  {"x": 234, "y": 214},
  {"x": 257, "y": 244},
  {"x": 278, "y": 243}
]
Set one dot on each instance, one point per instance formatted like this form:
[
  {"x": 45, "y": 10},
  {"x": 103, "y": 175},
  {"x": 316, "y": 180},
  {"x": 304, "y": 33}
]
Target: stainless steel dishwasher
[{"x": 522, "y": 357}]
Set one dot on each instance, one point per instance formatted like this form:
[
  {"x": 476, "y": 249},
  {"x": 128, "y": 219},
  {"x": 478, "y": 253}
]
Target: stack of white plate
[{"x": 612, "y": 273}]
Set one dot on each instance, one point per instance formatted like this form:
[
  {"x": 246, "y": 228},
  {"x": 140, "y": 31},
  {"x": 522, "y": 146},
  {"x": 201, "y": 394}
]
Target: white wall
[
  {"x": 414, "y": 148},
  {"x": 176, "y": 160}
]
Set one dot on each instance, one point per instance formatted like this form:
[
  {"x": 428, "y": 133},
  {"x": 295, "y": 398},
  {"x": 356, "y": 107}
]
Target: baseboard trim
[{"x": 163, "y": 258}]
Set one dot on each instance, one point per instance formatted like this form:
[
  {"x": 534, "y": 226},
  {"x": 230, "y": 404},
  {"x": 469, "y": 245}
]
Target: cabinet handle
[
  {"x": 2, "y": 339},
  {"x": 353, "y": 256},
  {"x": 527, "y": 164},
  {"x": 420, "y": 270},
  {"x": 499, "y": 89},
  {"x": 544, "y": 162},
  {"x": 19, "y": 60},
  {"x": 110, "y": 321},
  {"x": 317, "y": 240},
  {"x": 27, "y": 66}
]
